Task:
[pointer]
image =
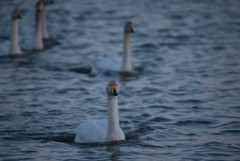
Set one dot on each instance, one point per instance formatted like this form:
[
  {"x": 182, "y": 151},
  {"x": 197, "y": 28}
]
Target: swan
[
  {"x": 14, "y": 48},
  {"x": 38, "y": 42},
  {"x": 115, "y": 64},
  {"x": 103, "y": 130},
  {"x": 32, "y": 38},
  {"x": 126, "y": 62},
  {"x": 43, "y": 17}
]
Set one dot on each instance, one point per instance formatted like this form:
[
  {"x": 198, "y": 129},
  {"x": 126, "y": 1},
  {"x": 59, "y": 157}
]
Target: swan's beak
[
  {"x": 114, "y": 90},
  {"x": 131, "y": 29},
  {"x": 39, "y": 7},
  {"x": 18, "y": 15}
]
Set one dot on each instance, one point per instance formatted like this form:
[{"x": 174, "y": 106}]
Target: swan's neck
[
  {"x": 113, "y": 120},
  {"x": 44, "y": 24},
  {"x": 38, "y": 44},
  {"x": 126, "y": 62},
  {"x": 14, "y": 46}
]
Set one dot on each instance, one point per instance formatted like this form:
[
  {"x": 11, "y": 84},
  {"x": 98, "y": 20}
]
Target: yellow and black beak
[
  {"x": 114, "y": 90},
  {"x": 39, "y": 6},
  {"x": 131, "y": 29},
  {"x": 18, "y": 15}
]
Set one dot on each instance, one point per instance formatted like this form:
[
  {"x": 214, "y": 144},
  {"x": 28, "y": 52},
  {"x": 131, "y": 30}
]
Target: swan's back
[
  {"x": 107, "y": 64},
  {"x": 92, "y": 131}
]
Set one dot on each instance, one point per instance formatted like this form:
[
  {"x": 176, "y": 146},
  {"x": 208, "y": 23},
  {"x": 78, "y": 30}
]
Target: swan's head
[
  {"x": 16, "y": 14},
  {"x": 113, "y": 88},
  {"x": 46, "y": 2},
  {"x": 128, "y": 28},
  {"x": 39, "y": 6}
]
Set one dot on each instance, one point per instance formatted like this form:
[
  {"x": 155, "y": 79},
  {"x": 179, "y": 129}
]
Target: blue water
[{"x": 182, "y": 105}]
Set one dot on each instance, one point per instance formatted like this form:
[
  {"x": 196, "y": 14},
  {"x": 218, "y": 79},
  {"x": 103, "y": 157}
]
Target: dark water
[{"x": 183, "y": 105}]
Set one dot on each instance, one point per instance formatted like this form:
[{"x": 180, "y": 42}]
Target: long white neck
[
  {"x": 44, "y": 24},
  {"x": 113, "y": 120},
  {"x": 14, "y": 46},
  {"x": 38, "y": 42},
  {"x": 126, "y": 62}
]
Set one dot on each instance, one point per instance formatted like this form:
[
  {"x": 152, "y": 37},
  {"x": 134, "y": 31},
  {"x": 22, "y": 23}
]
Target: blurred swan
[
  {"x": 103, "y": 130},
  {"x": 115, "y": 64},
  {"x": 32, "y": 38},
  {"x": 12, "y": 46},
  {"x": 38, "y": 42},
  {"x": 43, "y": 17}
]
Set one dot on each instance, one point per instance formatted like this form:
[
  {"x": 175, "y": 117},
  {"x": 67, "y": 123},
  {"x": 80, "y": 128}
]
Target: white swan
[
  {"x": 14, "y": 48},
  {"x": 126, "y": 62},
  {"x": 103, "y": 130},
  {"x": 38, "y": 42},
  {"x": 115, "y": 64},
  {"x": 44, "y": 21}
]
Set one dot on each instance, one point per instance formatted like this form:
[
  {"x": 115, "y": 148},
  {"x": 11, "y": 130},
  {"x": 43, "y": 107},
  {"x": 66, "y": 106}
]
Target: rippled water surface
[{"x": 184, "y": 103}]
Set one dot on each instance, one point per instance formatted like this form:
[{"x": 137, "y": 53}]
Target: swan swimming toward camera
[
  {"x": 115, "y": 64},
  {"x": 103, "y": 130}
]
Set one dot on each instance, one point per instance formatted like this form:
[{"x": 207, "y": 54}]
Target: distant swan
[
  {"x": 38, "y": 42},
  {"x": 115, "y": 64},
  {"x": 30, "y": 38},
  {"x": 44, "y": 21},
  {"x": 103, "y": 130},
  {"x": 14, "y": 48}
]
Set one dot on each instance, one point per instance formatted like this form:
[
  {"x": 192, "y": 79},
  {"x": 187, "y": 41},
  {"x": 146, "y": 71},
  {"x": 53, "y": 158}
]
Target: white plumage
[
  {"x": 116, "y": 64},
  {"x": 103, "y": 130},
  {"x": 95, "y": 131}
]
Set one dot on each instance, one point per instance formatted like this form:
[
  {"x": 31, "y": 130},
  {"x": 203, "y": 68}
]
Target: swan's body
[
  {"x": 14, "y": 48},
  {"x": 103, "y": 130},
  {"x": 106, "y": 64},
  {"x": 95, "y": 131},
  {"x": 115, "y": 64}
]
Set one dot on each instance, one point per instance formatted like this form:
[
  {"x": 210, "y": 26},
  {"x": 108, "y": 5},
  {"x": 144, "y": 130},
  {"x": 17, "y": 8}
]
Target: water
[{"x": 183, "y": 104}]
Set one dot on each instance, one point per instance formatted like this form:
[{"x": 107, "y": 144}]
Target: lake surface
[{"x": 184, "y": 103}]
